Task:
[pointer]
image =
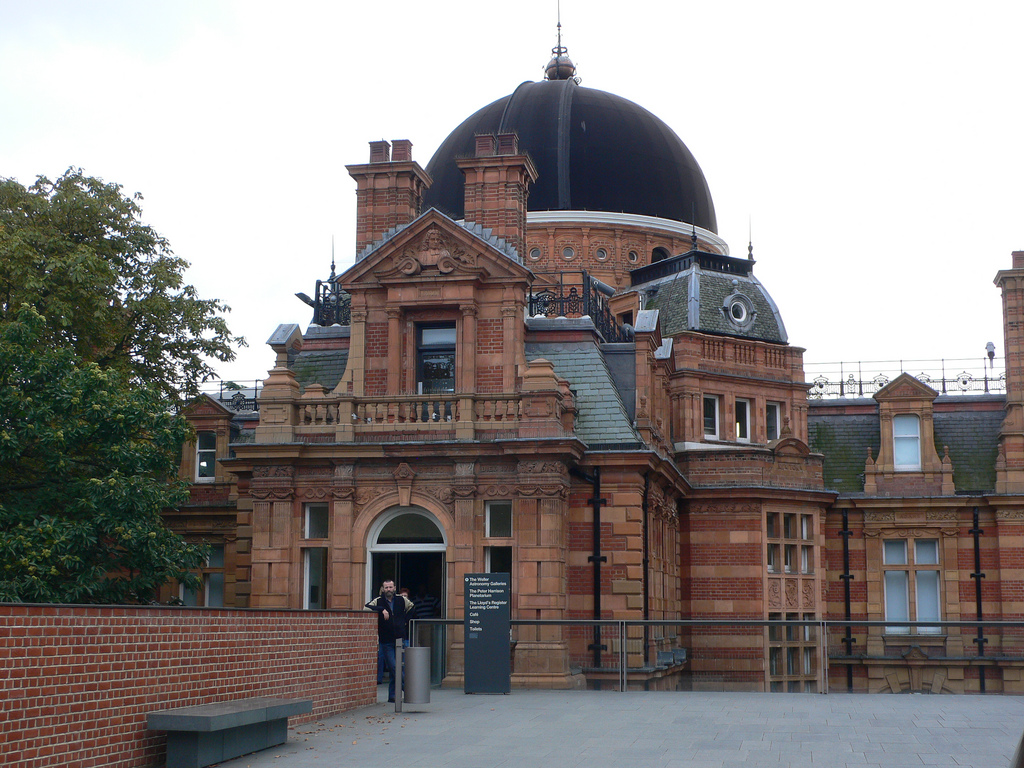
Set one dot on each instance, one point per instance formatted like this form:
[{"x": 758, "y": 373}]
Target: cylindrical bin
[{"x": 417, "y": 674}]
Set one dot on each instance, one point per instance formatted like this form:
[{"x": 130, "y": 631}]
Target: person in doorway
[{"x": 393, "y": 612}]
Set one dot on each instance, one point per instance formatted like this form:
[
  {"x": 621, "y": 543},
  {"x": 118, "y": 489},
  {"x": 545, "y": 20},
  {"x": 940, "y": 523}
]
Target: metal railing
[
  {"x": 240, "y": 397},
  {"x": 770, "y": 655},
  {"x": 572, "y": 295},
  {"x": 954, "y": 376}
]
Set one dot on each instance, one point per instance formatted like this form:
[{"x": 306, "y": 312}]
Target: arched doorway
[{"x": 407, "y": 544}]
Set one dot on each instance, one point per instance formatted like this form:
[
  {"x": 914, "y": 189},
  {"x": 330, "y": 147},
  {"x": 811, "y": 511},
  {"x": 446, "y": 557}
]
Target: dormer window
[
  {"x": 435, "y": 359},
  {"x": 906, "y": 442}
]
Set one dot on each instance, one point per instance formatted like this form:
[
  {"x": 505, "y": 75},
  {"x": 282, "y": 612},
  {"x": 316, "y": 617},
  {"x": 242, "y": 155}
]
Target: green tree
[
  {"x": 88, "y": 460},
  {"x": 109, "y": 286}
]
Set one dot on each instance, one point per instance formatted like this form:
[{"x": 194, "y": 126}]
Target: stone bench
[{"x": 210, "y": 733}]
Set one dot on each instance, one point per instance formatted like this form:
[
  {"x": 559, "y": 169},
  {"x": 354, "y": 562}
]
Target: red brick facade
[{"x": 76, "y": 682}]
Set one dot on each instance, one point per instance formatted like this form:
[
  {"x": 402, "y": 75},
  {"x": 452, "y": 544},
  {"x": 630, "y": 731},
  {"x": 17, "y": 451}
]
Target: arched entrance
[{"x": 407, "y": 544}]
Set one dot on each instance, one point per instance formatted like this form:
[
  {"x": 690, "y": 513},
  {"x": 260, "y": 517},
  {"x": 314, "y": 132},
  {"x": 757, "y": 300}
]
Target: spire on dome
[{"x": 560, "y": 67}]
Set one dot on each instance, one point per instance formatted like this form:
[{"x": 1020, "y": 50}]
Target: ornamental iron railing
[
  {"x": 240, "y": 397},
  {"x": 956, "y": 376},
  {"x": 576, "y": 295},
  {"x": 331, "y": 305}
]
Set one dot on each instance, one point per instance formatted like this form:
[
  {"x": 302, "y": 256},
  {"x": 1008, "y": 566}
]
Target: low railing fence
[
  {"x": 958, "y": 376},
  {"x": 786, "y": 655}
]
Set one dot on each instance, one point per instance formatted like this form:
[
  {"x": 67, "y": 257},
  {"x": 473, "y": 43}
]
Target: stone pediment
[
  {"x": 905, "y": 387},
  {"x": 204, "y": 405},
  {"x": 791, "y": 447},
  {"x": 434, "y": 247}
]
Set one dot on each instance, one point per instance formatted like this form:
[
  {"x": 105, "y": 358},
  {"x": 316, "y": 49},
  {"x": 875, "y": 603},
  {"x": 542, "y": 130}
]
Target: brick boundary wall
[{"x": 76, "y": 682}]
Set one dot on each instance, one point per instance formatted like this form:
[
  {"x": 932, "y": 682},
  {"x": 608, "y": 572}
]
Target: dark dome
[{"x": 594, "y": 151}]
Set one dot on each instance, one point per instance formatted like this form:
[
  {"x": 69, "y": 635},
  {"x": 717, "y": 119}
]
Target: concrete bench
[{"x": 207, "y": 734}]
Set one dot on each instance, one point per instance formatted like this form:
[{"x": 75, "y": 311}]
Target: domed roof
[{"x": 593, "y": 150}]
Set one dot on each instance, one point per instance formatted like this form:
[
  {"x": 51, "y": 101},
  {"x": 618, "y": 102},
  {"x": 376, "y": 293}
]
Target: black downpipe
[
  {"x": 978, "y": 576},
  {"x": 847, "y": 577},
  {"x": 645, "y": 508}
]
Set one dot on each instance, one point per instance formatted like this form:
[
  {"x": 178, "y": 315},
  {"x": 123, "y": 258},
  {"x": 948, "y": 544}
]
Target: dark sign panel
[{"x": 488, "y": 668}]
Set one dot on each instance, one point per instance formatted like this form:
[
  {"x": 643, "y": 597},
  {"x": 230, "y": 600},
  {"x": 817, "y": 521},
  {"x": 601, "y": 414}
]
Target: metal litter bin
[{"x": 417, "y": 674}]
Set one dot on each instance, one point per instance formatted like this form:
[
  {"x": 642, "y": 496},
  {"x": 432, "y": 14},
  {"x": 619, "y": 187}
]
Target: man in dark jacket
[{"x": 393, "y": 613}]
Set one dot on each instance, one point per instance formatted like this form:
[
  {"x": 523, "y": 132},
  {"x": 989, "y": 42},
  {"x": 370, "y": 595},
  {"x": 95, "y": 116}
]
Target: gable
[
  {"x": 903, "y": 388},
  {"x": 435, "y": 247}
]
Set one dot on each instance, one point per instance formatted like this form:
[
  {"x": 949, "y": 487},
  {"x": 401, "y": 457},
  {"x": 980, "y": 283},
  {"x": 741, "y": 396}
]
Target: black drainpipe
[
  {"x": 847, "y": 577},
  {"x": 596, "y": 558},
  {"x": 978, "y": 576},
  {"x": 645, "y": 507}
]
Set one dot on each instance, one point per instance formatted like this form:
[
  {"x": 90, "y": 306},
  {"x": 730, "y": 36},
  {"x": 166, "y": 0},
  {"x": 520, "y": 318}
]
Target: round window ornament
[
  {"x": 601, "y": 254},
  {"x": 634, "y": 256},
  {"x": 738, "y": 310},
  {"x": 535, "y": 254},
  {"x": 568, "y": 253}
]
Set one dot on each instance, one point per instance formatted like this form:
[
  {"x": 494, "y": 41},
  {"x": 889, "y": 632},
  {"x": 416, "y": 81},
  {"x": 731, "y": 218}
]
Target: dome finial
[{"x": 560, "y": 67}]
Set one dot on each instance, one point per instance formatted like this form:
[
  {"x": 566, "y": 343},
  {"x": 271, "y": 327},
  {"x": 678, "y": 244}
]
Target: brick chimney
[
  {"x": 389, "y": 190},
  {"x": 497, "y": 187},
  {"x": 1010, "y": 463}
]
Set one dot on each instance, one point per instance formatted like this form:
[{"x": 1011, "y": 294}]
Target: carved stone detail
[
  {"x": 880, "y": 516},
  {"x": 774, "y": 594}
]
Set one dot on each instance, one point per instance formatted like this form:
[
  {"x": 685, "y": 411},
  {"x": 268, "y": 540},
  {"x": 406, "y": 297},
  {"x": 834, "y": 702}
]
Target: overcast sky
[{"x": 873, "y": 149}]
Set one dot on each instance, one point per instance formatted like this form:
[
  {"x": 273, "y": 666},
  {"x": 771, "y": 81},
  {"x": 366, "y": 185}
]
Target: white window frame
[
  {"x": 210, "y": 453},
  {"x": 211, "y": 567},
  {"x": 908, "y": 577},
  {"x": 776, "y": 408},
  {"x": 704, "y": 419},
  {"x": 307, "y": 563},
  {"x": 743, "y": 427},
  {"x": 906, "y": 439},
  {"x": 489, "y": 528},
  {"x": 306, "y": 519}
]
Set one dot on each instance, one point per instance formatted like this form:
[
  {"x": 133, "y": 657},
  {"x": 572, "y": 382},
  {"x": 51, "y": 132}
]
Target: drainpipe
[
  {"x": 846, "y": 576},
  {"x": 645, "y": 509},
  {"x": 978, "y": 576}
]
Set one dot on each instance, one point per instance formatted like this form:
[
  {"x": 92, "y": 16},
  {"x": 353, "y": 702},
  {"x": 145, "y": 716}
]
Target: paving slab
[{"x": 565, "y": 729}]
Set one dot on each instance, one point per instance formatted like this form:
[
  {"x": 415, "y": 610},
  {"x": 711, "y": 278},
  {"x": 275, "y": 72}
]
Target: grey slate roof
[
  {"x": 694, "y": 299},
  {"x": 971, "y": 433},
  {"x": 324, "y": 367},
  {"x": 602, "y": 418},
  {"x": 972, "y": 437},
  {"x": 479, "y": 230}
]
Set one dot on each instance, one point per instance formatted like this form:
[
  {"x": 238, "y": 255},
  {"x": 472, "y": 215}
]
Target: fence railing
[
  {"x": 956, "y": 376},
  {"x": 792, "y": 655},
  {"x": 239, "y": 396}
]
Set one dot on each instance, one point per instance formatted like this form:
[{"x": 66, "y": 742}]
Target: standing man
[{"x": 393, "y": 613}]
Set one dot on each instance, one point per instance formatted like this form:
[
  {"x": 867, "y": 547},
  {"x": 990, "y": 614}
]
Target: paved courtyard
[{"x": 549, "y": 729}]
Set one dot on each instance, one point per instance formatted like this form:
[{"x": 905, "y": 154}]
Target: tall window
[
  {"x": 435, "y": 359},
  {"x": 499, "y": 519},
  {"x": 773, "y": 421},
  {"x": 906, "y": 439},
  {"x": 315, "y": 526},
  {"x": 911, "y": 583},
  {"x": 790, "y": 543},
  {"x": 206, "y": 457},
  {"x": 212, "y": 592},
  {"x": 743, "y": 420},
  {"x": 314, "y": 577},
  {"x": 711, "y": 417}
]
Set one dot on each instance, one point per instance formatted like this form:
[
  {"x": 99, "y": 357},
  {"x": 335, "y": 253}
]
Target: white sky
[{"x": 874, "y": 148}]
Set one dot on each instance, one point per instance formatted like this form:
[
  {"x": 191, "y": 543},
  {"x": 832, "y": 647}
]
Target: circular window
[
  {"x": 535, "y": 253},
  {"x": 633, "y": 256},
  {"x": 738, "y": 310},
  {"x": 659, "y": 254},
  {"x": 601, "y": 254},
  {"x": 568, "y": 253}
]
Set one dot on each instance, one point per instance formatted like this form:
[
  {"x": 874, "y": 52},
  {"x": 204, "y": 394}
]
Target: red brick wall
[{"x": 76, "y": 682}]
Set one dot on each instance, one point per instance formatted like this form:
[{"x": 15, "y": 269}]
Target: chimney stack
[
  {"x": 497, "y": 187},
  {"x": 389, "y": 190}
]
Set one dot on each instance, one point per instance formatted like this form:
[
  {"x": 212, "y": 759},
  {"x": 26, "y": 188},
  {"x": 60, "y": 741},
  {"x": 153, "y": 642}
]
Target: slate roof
[
  {"x": 693, "y": 300},
  {"x": 971, "y": 433},
  {"x": 485, "y": 234},
  {"x": 324, "y": 367},
  {"x": 602, "y": 420}
]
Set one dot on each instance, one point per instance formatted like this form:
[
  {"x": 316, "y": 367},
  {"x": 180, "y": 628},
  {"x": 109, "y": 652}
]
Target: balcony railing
[
  {"x": 963, "y": 376},
  {"x": 240, "y": 397},
  {"x": 575, "y": 294}
]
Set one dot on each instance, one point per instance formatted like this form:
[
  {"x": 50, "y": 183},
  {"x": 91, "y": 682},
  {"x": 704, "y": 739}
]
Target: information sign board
[{"x": 487, "y": 623}]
